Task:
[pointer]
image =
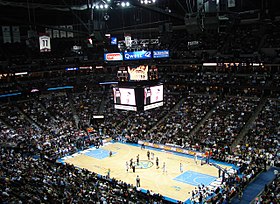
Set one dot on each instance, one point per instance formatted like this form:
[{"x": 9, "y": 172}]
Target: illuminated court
[{"x": 173, "y": 184}]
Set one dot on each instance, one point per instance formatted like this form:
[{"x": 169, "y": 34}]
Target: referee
[
  {"x": 137, "y": 159},
  {"x": 137, "y": 181},
  {"x": 157, "y": 162}
]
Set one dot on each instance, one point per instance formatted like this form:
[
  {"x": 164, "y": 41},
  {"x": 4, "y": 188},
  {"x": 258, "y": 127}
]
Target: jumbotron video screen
[
  {"x": 137, "y": 73},
  {"x": 138, "y": 98},
  {"x": 124, "y": 98},
  {"x": 153, "y": 97}
]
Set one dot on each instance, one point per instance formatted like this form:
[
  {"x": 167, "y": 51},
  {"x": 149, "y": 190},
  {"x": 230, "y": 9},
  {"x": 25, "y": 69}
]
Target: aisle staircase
[
  {"x": 46, "y": 110},
  {"x": 73, "y": 109},
  {"x": 102, "y": 104},
  {"x": 201, "y": 123},
  {"x": 249, "y": 123},
  {"x": 6, "y": 123},
  {"x": 28, "y": 118},
  {"x": 256, "y": 187}
]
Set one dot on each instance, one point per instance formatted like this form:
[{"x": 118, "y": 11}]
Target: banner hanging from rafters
[
  {"x": 45, "y": 43},
  {"x": 231, "y": 3}
]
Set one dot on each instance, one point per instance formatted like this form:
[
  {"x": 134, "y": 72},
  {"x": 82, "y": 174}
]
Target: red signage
[{"x": 113, "y": 57}]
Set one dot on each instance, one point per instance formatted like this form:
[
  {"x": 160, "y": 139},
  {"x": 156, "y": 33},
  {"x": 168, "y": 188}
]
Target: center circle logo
[{"x": 144, "y": 164}]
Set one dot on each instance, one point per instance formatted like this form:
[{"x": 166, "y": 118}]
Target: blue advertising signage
[
  {"x": 114, "y": 41},
  {"x": 72, "y": 68},
  {"x": 137, "y": 55},
  {"x": 161, "y": 53}
]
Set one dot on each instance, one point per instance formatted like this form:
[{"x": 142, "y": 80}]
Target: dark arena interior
[{"x": 192, "y": 80}]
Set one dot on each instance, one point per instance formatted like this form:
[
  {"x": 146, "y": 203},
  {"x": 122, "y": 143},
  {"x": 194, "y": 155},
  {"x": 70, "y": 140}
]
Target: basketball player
[
  {"x": 164, "y": 169},
  {"x": 148, "y": 155},
  {"x": 181, "y": 168},
  {"x": 133, "y": 167},
  {"x": 137, "y": 181},
  {"x": 127, "y": 166},
  {"x": 108, "y": 173},
  {"x": 137, "y": 159},
  {"x": 157, "y": 162},
  {"x": 195, "y": 158},
  {"x": 152, "y": 155}
]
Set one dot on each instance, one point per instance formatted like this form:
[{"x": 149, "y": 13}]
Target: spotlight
[
  {"x": 123, "y": 4},
  {"x": 106, "y": 17},
  {"x": 97, "y": 6},
  {"x": 147, "y": 1},
  {"x": 106, "y": 6},
  {"x": 127, "y": 4},
  {"x": 101, "y": 6}
]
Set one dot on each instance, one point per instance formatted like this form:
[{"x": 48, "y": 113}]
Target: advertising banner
[
  {"x": 137, "y": 55},
  {"x": 160, "y": 53},
  {"x": 113, "y": 56},
  {"x": 114, "y": 41},
  {"x": 174, "y": 149}
]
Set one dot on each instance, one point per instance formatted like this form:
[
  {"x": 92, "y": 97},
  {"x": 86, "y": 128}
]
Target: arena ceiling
[{"x": 81, "y": 12}]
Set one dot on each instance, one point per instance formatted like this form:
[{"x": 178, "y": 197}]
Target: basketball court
[{"x": 173, "y": 184}]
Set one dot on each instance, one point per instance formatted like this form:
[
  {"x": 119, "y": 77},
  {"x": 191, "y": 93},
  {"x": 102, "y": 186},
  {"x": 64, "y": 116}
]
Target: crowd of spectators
[
  {"x": 224, "y": 125},
  {"x": 13, "y": 115},
  {"x": 25, "y": 179},
  {"x": 271, "y": 38},
  {"x": 46, "y": 127},
  {"x": 226, "y": 79},
  {"x": 138, "y": 124},
  {"x": 6, "y": 88},
  {"x": 177, "y": 126},
  {"x": 248, "y": 37},
  {"x": 275, "y": 81},
  {"x": 87, "y": 104},
  {"x": 59, "y": 107},
  {"x": 271, "y": 194},
  {"x": 7, "y": 134},
  {"x": 114, "y": 118},
  {"x": 34, "y": 110},
  {"x": 263, "y": 136}
]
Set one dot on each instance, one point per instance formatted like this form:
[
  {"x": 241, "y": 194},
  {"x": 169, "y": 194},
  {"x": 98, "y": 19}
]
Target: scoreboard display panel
[
  {"x": 124, "y": 96},
  {"x": 138, "y": 73},
  {"x": 138, "y": 88},
  {"x": 138, "y": 98},
  {"x": 153, "y": 96},
  {"x": 156, "y": 93}
]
